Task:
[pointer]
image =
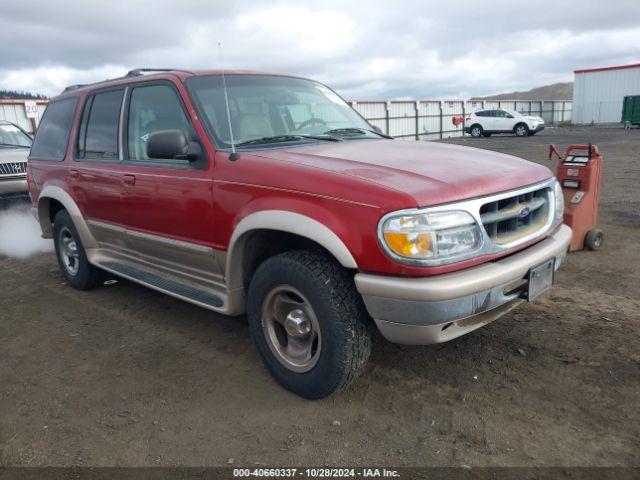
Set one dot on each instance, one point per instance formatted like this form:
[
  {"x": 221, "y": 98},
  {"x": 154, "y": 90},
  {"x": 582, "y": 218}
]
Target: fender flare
[
  {"x": 283, "y": 221},
  {"x": 57, "y": 193}
]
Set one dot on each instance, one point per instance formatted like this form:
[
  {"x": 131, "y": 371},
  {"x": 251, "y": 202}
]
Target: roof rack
[
  {"x": 140, "y": 71},
  {"x": 131, "y": 73},
  {"x": 74, "y": 87}
]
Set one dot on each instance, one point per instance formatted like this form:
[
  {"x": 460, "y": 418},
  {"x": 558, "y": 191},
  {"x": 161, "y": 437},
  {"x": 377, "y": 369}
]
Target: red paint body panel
[
  {"x": 347, "y": 186},
  {"x": 431, "y": 173}
]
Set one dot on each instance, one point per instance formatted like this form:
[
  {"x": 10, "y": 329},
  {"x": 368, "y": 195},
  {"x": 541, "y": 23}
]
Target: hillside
[{"x": 557, "y": 91}]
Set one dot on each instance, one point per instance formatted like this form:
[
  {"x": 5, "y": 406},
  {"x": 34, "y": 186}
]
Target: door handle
[
  {"x": 74, "y": 174},
  {"x": 129, "y": 179}
]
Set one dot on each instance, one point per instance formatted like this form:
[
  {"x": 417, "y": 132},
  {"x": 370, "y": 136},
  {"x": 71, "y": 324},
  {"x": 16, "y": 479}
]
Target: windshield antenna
[{"x": 234, "y": 155}]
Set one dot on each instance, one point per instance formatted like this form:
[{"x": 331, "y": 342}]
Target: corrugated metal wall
[
  {"x": 598, "y": 95},
  {"x": 14, "y": 112},
  {"x": 433, "y": 119}
]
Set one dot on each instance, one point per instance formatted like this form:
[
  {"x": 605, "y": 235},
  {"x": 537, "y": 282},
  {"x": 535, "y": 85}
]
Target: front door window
[{"x": 151, "y": 109}]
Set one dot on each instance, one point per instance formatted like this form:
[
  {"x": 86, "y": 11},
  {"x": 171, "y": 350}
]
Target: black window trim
[
  {"x": 200, "y": 164},
  {"x": 123, "y": 125},
  {"x": 83, "y": 121},
  {"x": 66, "y": 145}
]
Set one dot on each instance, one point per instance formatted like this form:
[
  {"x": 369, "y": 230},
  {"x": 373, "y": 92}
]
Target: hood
[
  {"x": 432, "y": 173},
  {"x": 13, "y": 155}
]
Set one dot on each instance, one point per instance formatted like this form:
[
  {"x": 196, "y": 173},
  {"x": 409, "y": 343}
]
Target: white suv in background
[{"x": 486, "y": 122}]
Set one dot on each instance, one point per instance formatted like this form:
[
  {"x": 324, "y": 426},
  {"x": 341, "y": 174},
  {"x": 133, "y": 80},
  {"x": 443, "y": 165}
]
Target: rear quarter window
[
  {"x": 52, "y": 136},
  {"x": 98, "y": 136}
]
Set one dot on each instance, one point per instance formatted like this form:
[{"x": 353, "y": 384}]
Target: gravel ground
[{"x": 123, "y": 375}]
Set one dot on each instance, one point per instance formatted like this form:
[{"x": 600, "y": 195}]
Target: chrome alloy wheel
[
  {"x": 521, "y": 131},
  {"x": 68, "y": 251},
  {"x": 291, "y": 328}
]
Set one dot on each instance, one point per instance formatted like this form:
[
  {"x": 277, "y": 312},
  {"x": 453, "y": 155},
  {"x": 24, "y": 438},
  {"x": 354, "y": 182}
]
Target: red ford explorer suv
[{"x": 268, "y": 195}]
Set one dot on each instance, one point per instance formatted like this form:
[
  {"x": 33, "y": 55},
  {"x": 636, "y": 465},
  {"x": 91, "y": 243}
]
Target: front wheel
[
  {"x": 308, "y": 322},
  {"x": 476, "y": 131},
  {"x": 521, "y": 130}
]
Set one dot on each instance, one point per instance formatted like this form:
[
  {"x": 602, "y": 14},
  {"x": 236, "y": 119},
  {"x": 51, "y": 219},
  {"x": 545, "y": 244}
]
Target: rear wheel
[
  {"x": 594, "y": 238},
  {"x": 72, "y": 257},
  {"x": 521, "y": 130},
  {"x": 308, "y": 322},
  {"x": 476, "y": 131}
]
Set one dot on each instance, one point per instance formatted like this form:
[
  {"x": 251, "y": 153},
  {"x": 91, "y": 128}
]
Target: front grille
[
  {"x": 13, "y": 168},
  {"x": 510, "y": 219}
]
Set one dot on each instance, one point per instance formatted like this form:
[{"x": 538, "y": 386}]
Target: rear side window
[
  {"x": 53, "y": 133},
  {"x": 98, "y": 136},
  {"x": 482, "y": 113}
]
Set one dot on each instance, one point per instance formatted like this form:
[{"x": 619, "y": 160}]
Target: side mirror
[
  {"x": 172, "y": 144},
  {"x": 509, "y": 116}
]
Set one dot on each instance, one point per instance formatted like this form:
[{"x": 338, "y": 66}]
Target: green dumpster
[{"x": 631, "y": 109}]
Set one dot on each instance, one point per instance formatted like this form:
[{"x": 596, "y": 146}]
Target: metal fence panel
[{"x": 433, "y": 119}]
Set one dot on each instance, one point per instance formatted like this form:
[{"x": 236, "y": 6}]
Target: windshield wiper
[
  {"x": 286, "y": 138},
  {"x": 353, "y": 132}
]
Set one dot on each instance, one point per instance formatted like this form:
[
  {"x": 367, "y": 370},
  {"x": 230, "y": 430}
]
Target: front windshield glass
[
  {"x": 275, "y": 107},
  {"x": 12, "y": 136}
]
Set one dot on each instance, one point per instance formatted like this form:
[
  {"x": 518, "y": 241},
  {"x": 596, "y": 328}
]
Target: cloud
[{"x": 364, "y": 49}]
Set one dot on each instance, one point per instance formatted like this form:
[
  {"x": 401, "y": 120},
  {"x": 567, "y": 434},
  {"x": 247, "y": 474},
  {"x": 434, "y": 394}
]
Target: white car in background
[
  {"x": 485, "y": 122},
  {"x": 14, "y": 149}
]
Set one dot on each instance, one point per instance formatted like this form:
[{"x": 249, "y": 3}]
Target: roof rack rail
[
  {"x": 132, "y": 73},
  {"x": 74, "y": 87},
  {"x": 140, "y": 71}
]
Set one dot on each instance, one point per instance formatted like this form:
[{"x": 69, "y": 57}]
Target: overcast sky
[{"x": 362, "y": 48}]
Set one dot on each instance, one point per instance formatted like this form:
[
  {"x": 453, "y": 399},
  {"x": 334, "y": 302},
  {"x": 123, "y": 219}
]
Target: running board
[{"x": 171, "y": 287}]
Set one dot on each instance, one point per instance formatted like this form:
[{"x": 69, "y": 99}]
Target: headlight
[
  {"x": 558, "y": 202},
  {"x": 424, "y": 238}
]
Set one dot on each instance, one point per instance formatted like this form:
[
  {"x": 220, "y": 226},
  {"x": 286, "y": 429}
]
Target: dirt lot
[{"x": 123, "y": 375}]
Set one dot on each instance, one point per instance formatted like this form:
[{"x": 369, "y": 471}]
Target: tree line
[{"x": 20, "y": 95}]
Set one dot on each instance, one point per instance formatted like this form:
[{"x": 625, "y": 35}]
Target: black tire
[
  {"x": 593, "y": 239},
  {"x": 342, "y": 320},
  {"x": 476, "y": 131},
  {"x": 521, "y": 130},
  {"x": 79, "y": 273}
]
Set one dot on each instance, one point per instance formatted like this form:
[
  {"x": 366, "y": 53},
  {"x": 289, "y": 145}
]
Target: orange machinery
[{"x": 579, "y": 173}]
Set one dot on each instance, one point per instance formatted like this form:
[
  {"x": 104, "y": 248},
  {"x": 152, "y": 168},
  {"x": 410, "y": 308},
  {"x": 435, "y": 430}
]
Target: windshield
[
  {"x": 12, "y": 136},
  {"x": 266, "y": 109}
]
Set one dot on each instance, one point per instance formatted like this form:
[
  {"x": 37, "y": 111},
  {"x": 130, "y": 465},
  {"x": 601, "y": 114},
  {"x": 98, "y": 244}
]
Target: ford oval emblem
[{"x": 524, "y": 212}]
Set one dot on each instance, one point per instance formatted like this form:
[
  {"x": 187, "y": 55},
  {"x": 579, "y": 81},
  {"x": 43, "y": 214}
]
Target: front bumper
[
  {"x": 539, "y": 128},
  {"x": 13, "y": 186},
  {"x": 436, "y": 309}
]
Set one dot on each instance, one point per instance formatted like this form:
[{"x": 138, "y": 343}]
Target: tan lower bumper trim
[{"x": 428, "y": 334}]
